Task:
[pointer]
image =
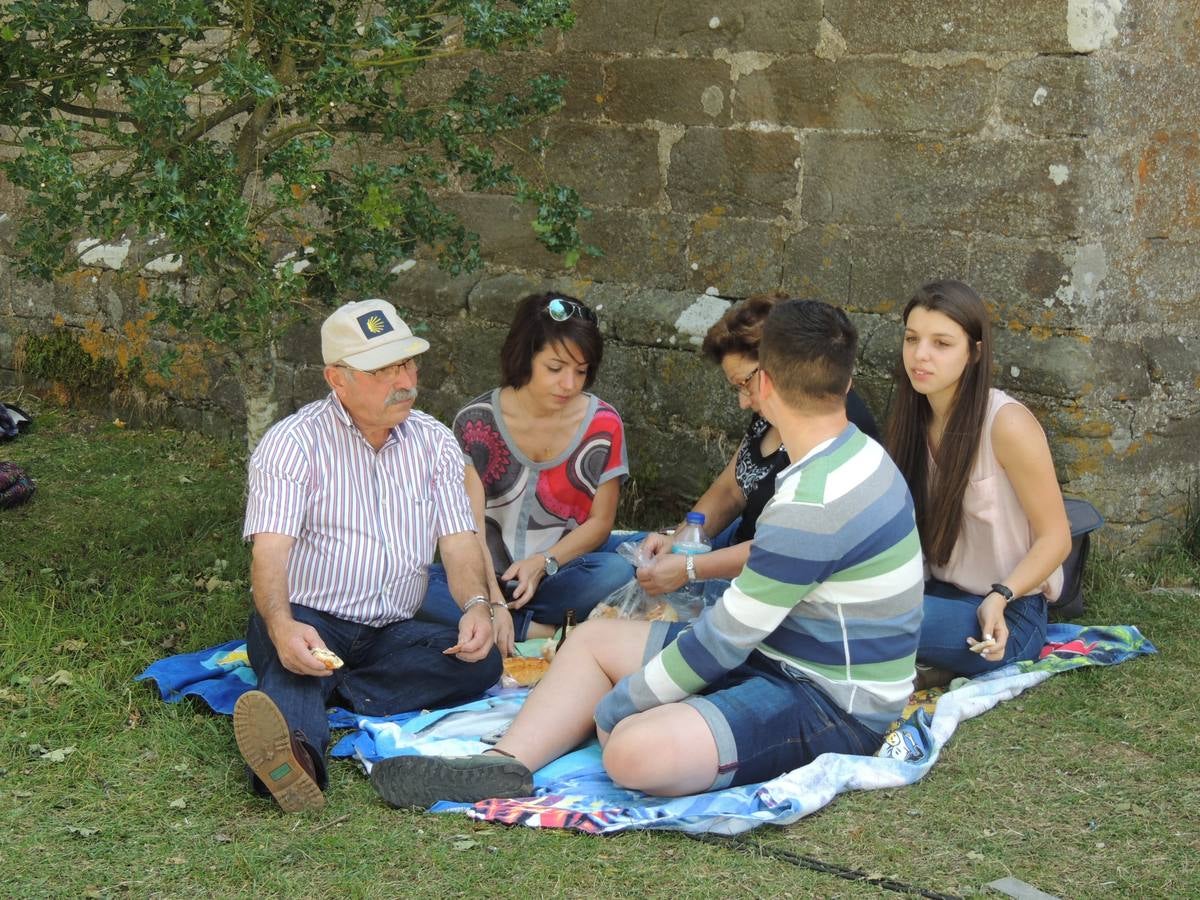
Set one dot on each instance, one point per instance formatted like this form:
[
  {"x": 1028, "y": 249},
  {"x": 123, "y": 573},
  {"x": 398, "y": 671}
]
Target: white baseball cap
[{"x": 368, "y": 335}]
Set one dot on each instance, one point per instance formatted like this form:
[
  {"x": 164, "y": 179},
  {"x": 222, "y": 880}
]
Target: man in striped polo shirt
[
  {"x": 347, "y": 498},
  {"x": 811, "y": 649}
]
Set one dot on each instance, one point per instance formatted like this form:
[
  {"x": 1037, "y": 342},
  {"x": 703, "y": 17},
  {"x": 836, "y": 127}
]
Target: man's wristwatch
[
  {"x": 1004, "y": 591},
  {"x": 690, "y": 566},
  {"x": 475, "y": 601},
  {"x": 551, "y": 564}
]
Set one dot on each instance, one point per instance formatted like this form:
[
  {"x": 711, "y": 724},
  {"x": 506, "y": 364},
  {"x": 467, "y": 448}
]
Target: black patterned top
[{"x": 755, "y": 473}]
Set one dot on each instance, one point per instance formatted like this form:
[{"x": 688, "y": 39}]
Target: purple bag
[{"x": 15, "y": 486}]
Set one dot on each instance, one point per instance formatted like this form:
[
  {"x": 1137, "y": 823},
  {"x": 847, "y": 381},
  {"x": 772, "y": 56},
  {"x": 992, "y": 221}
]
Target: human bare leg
[
  {"x": 668, "y": 751},
  {"x": 556, "y": 717},
  {"x": 558, "y": 714}
]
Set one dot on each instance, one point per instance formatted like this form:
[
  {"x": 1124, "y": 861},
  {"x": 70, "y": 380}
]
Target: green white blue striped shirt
[{"x": 832, "y": 592}]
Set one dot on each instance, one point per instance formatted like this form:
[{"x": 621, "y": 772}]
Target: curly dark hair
[{"x": 740, "y": 329}]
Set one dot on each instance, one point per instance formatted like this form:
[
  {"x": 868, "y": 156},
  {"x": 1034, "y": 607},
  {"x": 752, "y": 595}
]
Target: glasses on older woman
[
  {"x": 560, "y": 310},
  {"x": 743, "y": 386}
]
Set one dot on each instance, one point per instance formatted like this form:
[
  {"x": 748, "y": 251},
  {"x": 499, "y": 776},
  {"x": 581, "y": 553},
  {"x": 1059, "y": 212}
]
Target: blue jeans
[
  {"x": 392, "y": 669},
  {"x": 720, "y": 542},
  {"x": 579, "y": 585},
  {"x": 950, "y": 617},
  {"x": 765, "y": 722}
]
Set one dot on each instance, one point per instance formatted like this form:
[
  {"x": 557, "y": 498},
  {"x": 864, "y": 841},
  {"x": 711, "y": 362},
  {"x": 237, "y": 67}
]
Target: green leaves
[
  {"x": 558, "y": 214},
  {"x": 243, "y": 74},
  {"x": 283, "y": 149},
  {"x": 157, "y": 103}
]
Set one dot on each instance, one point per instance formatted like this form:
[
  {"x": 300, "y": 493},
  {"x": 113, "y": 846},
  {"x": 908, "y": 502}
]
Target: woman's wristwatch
[{"x": 1004, "y": 591}]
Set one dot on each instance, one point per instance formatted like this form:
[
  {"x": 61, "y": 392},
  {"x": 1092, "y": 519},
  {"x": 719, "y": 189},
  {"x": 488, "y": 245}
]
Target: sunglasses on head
[{"x": 560, "y": 310}]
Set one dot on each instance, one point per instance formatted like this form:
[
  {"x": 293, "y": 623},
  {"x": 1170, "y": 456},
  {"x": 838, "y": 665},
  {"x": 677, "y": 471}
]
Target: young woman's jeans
[
  {"x": 951, "y": 617},
  {"x": 720, "y": 542},
  {"x": 711, "y": 589},
  {"x": 579, "y": 585}
]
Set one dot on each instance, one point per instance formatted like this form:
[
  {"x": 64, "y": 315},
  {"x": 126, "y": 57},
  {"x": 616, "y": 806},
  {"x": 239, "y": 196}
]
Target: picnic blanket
[{"x": 575, "y": 792}]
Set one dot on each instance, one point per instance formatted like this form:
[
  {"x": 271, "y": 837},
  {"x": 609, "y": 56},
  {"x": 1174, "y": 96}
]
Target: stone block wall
[{"x": 1045, "y": 151}]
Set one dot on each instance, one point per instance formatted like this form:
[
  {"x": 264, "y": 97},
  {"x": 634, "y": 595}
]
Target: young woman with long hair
[{"x": 989, "y": 509}]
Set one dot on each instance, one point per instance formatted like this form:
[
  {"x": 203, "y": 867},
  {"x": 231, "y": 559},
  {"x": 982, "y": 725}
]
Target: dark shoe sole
[
  {"x": 266, "y": 745},
  {"x": 420, "y": 781}
]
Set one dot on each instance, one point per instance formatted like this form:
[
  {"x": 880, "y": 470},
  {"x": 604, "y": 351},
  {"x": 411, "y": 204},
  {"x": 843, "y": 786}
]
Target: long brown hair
[{"x": 939, "y": 504}]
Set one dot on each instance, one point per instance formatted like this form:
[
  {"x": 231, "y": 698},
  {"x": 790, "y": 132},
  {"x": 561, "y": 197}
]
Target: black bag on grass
[
  {"x": 1084, "y": 519},
  {"x": 13, "y": 421},
  {"x": 15, "y": 486}
]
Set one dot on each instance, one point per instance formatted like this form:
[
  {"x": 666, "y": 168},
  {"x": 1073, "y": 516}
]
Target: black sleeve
[{"x": 857, "y": 412}]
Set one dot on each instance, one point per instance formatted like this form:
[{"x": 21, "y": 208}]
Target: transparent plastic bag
[{"x": 630, "y": 600}]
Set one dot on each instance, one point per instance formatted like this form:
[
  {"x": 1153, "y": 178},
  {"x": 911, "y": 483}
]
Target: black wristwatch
[
  {"x": 1004, "y": 591},
  {"x": 551, "y": 564}
]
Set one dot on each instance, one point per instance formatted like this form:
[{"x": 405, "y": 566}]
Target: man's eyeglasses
[
  {"x": 387, "y": 373},
  {"x": 560, "y": 310},
  {"x": 743, "y": 386}
]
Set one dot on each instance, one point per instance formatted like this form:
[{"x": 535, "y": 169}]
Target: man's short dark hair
[
  {"x": 533, "y": 328},
  {"x": 808, "y": 348}
]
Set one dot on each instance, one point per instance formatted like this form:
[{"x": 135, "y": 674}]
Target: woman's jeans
[
  {"x": 720, "y": 542},
  {"x": 951, "y": 617},
  {"x": 579, "y": 585}
]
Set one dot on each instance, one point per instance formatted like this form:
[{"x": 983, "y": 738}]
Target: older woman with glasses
[
  {"x": 545, "y": 463},
  {"x": 733, "y": 502}
]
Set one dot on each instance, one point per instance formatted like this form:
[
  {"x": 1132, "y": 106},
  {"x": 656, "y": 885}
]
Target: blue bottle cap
[{"x": 694, "y": 518}]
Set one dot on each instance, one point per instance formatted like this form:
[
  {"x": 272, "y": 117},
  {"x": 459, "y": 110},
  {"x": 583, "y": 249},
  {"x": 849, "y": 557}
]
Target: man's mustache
[{"x": 402, "y": 395}]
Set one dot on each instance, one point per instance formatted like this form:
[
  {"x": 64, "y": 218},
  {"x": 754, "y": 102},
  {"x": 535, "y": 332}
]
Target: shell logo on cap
[{"x": 373, "y": 324}]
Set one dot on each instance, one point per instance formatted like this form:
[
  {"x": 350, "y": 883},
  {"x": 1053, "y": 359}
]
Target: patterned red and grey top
[{"x": 531, "y": 505}]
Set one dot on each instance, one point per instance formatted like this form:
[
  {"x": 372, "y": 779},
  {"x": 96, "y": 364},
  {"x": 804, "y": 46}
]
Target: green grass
[{"x": 1085, "y": 786}]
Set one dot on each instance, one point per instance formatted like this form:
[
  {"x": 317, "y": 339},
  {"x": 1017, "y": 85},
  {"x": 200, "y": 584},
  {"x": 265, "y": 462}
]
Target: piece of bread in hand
[
  {"x": 327, "y": 658},
  {"x": 525, "y": 671}
]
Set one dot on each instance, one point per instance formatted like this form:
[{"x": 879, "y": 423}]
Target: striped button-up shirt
[{"x": 365, "y": 522}]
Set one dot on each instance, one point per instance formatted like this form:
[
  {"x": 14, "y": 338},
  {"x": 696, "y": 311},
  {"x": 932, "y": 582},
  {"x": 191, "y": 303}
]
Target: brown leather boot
[{"x": 275, "y": 754}]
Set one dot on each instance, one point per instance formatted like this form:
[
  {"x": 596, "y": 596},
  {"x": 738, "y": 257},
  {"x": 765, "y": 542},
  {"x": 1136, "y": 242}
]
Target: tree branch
[{"x": 206, "y": 124}]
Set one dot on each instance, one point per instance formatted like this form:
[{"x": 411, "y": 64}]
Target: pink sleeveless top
[{"x": 995, "y": 534}]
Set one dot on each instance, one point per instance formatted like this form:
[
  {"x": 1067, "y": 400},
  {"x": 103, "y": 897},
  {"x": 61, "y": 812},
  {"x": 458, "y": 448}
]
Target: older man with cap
[{"x": 347, "y": 498}]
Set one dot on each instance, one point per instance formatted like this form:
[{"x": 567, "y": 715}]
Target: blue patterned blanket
[{"x": 574, "y": 791}]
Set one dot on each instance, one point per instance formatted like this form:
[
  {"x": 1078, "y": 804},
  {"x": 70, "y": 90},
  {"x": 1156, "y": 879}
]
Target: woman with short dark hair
[{"x": 545, "y": 463}]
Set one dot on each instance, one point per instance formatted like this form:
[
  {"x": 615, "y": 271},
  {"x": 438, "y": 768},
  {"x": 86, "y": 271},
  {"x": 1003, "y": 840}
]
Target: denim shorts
[{"x": 766, "y": 722}]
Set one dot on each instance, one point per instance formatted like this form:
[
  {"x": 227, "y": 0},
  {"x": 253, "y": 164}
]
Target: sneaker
[
  {"x": 421, "y": 781},
  {"x": 275, "y": 754}
]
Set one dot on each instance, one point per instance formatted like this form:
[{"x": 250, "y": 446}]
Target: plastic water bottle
[{"x": 691, "y": 540}]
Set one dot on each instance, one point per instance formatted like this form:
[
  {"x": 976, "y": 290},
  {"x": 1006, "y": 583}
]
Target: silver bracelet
[
  {"x": 475, "y": 601},
  {"x": 690, "y": 565}
]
